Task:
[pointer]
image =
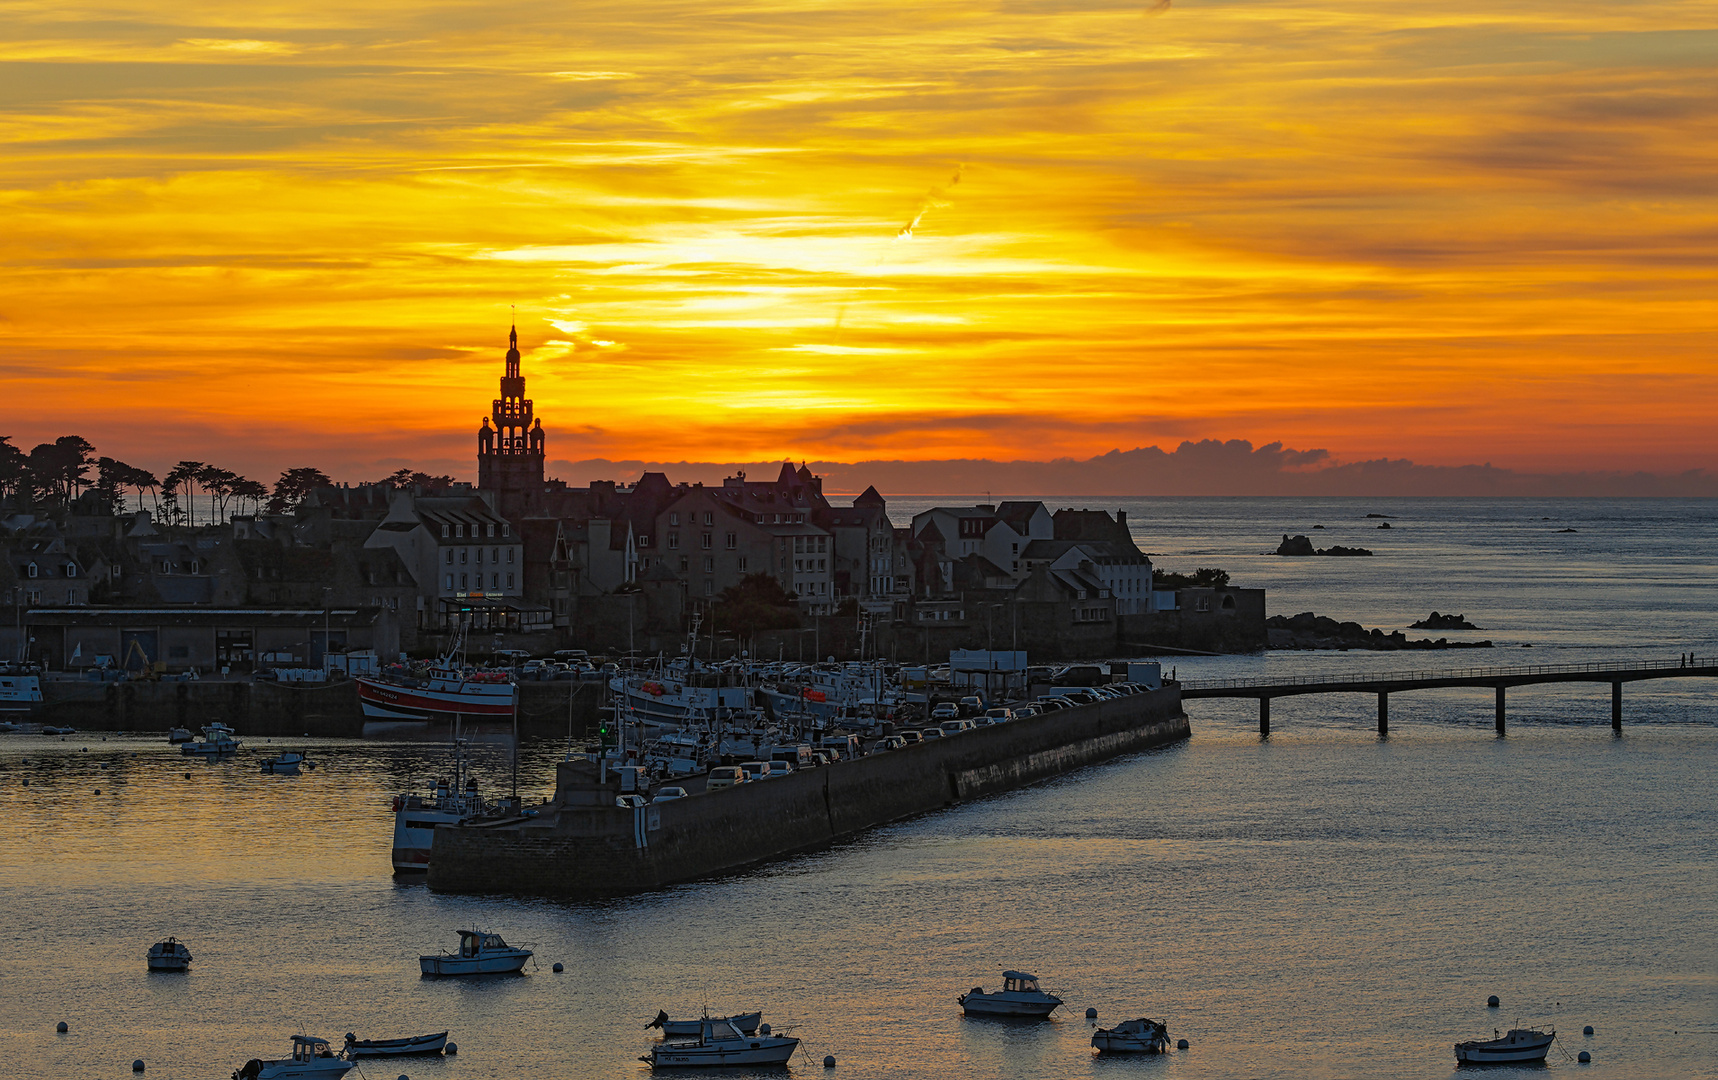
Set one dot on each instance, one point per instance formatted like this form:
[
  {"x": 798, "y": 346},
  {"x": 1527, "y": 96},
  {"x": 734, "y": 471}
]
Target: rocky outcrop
[
  {"x": 1308, "y": 631},
  {"x": 1300, "y": 545},
  {"x": 1434, "y": 621}
]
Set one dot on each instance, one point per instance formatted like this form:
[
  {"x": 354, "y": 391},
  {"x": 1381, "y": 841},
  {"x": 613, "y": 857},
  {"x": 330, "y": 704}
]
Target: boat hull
[
  {"x": 452, "y": 966},
  {"x": 169, "y": 963},
  {"x": 391, "y": 701},
  {"x": 319, "y": 1069},
  {"x": 1008, "y": 1004},
  {"x": 378, "y": 1048},
  {"x": 727, "y": 1054}
]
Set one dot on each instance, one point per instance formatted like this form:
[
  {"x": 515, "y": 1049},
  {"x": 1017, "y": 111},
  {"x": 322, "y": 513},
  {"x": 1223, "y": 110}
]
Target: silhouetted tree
[
  {"x": 758, "y": 602},
  {"x": 293, "y": 487},
  {"x": 183, "y": 476},
  {"x": 60, "y": 469},
  {"x": 407, "y": 478},
  {"x": 252, "y": 491},
  {"x": 14, "y": 469}
]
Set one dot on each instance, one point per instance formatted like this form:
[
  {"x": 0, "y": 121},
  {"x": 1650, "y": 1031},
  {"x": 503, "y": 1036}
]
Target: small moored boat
[
  {"x": 417, "y": 1044},
  {"x": 720, "y": 1044},
  {"x": 1019, "y": 996},
  {"x": 1520, "y": 1044},
  {"x": 169, "y": 955},
  {"x": 312, "y": 1059},
  {"x": 286, "y": 763},
  {"x": 217, "y": 739},
  {"x": 179, "y": 735},
  {"x": 745, "y": 1022},
  {"x": 52, "y": 730},
  {"x": 480, "y": 953},
  {"x": 1140, "y": 1036}
]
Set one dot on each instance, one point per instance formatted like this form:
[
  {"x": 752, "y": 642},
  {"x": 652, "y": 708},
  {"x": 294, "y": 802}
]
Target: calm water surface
[{"x": 1324, "y": 904}]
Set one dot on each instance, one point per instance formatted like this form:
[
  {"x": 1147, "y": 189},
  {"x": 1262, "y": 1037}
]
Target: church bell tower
[{"x": 510, "y": 454}]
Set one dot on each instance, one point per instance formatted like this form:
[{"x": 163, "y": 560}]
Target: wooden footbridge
[{"x": 1499, "y": 678}]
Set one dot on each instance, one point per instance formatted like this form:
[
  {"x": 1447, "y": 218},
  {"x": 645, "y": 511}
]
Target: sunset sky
[{"x": 274, "y": 234}]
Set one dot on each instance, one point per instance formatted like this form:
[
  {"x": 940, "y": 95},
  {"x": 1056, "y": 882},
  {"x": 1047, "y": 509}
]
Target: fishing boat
[
  {"x": 20, "y": 688},
  {"x": 312, "y": 1059},
  {"x": 217, "y": 740},
  {"x": 445, "y": 690},
  {"x": 719, "y": 1044},
  {"x": 169, "y": 955},
  {"x": 1019, "y": 996},
  {"x": 1519, "y": 1045},
  {"x": 417, "y": 816},
  {"x": 417, "y": 1044},
  {"x": 286, "y": 763},
  {"x": 480, "y": 953},
  {"x": 672, "y": 1029},
  {"x": 1140, "y": 1036}
]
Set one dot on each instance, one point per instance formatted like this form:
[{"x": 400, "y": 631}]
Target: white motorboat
[
  {"x": 217, "y": 740},
  {"x": 1140, "y": 1036},
  {"x": 1520, "y": 1044},
  {"x": 169, "y": 955},
  {"x": 286, "y": 763},
  {"x": 179, "y": 735},
  {"x": 480, "y": 953},
  {"x": 1019, "y": 996},
  {"x": 719, "y": 1044},
  {"x": 416, "y": 816},
  {"x": 312, "y": 1059},
  {"x": 417, "y": 1044},
  {"x": 20, "y": 688},
  {"x": 675, "y": 1029}
]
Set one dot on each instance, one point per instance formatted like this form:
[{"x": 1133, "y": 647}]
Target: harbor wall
[{"x": 602, "y": 850}]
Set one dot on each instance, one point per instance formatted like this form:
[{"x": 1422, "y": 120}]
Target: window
[
  {"x": 509, "y": 581},
  {"x": 799, "y": 545},
  {"x": 464, "y": 581},
  {"x": 709, "y": 587},
  {"x": 733, "y": 541},
  {"x": 32, "y": 568},
  {"x": 685, "y": 564},
  {"x": 459, "y": 530},
  {"x": 510, "y": 552},
  {"x": 709, "y": 565},
  {"x": 799, "y": 566},
  {"x": 491, "y": 529},
  {"x": 742, "y": 564},
  {"x": 450, "y": 556},
  {"x": 823, "y": 564},
  {"x": 444, "y": 529},
  {"x": 821, "y": 541},
  {"x": 464, "y": 556},
  {"x": 72, "y": 571},
  {"x": 494, "y": 581},
  {"x": 705, "y": 541},
  {"x": 495, "y": 554},
  {"x": 644, "y": 540},
  {"x": 709, "y": 519},
  {"x": 506, "y": 529},
  {"x": 480, "y": 556},
  {"x": 674, "y": 519},
  {"x": 673, "y": 541}
]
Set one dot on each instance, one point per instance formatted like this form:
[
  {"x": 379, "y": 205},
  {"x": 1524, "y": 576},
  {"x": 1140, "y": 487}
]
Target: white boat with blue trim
[
  {"x": 719, "y": 1044},
  {"x": 1019, "y": 996},
  {"x": 480, "y": 953},
  {"x": 1518, "y": 1046}
]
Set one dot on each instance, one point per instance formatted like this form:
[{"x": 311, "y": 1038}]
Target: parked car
[
  {"x": 724, "y": 776},
  {"x": 946, "y": 710},
  {"x": 669, "y": 794},
  {"x": 759, "y": 770},
  {"x": 629, "y": 802}
]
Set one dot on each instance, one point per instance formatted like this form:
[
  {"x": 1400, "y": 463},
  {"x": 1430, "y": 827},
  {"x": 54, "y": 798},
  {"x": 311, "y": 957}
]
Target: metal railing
[{"x": 1364, "y": 679}]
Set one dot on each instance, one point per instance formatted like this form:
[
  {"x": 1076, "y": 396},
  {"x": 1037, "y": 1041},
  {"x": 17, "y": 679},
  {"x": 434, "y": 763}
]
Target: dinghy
[
  {"x": 417, "y": 1044},
  {"x": 745, "y": 1022}
]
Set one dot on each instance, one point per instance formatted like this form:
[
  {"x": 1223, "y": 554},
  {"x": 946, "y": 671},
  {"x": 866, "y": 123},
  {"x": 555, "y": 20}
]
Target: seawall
[{"x": 598, "y": 849}]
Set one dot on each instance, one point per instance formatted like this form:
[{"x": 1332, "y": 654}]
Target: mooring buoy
[
  {"x": 451, "y": 1048},
  {"x": 763, "y": 1029},
  {"x": 1588, "y": 1030},
  {"x": 137, "y": 1066},
  {"x": 1583, "y": 1057},
  {"x": 829, "y": 1061},
  {"x": 1181, "y": 1044},
  {"x": 1091, "y": 1013},
  {"x": 557, "y": 969},
  {"x": 61, "y": 1027},
  {"x": 1492, "y": 1002}
]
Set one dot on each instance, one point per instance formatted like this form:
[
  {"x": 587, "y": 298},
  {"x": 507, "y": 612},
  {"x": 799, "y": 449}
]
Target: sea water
[{"x": 1324, "y": 903}]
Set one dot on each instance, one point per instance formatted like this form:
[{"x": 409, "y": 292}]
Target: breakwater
[{"x": 584, "y": 846}]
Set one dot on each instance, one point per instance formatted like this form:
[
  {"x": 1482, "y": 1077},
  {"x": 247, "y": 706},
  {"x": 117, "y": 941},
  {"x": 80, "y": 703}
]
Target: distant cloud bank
[{"x": 1207, "y": 467}]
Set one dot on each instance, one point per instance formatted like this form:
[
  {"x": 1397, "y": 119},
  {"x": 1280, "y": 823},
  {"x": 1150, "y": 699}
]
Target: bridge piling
[
  {"x": 1617, "y": 707},
  {"x": 1383, "y": 713},
  {"x": 1264, "y": 715},
  {"x": 1500, "y": 710}
]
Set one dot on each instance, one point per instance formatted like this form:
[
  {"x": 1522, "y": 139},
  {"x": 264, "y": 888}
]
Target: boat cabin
[
  {"x": 1019, "y": 982},
  {"x": 472, "y": 942},
  {"x": 309, "y": 1048},
  {"x": 719, "y": 1031}
]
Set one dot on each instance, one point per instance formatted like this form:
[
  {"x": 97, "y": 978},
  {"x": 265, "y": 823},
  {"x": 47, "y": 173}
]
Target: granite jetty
[{"x": 582, "y": 845}]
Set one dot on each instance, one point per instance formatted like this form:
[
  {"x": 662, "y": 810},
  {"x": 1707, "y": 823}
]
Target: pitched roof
[{"x": 869, "y": 497}]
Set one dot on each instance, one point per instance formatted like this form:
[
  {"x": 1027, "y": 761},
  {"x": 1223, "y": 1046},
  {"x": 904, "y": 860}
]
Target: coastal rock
[
  {"x": 1300, "y": 545},
  {"x": 1308, "y": 631},
  {"x": 1435, "y": 621},
  {"x": 1386, "y": 525}
]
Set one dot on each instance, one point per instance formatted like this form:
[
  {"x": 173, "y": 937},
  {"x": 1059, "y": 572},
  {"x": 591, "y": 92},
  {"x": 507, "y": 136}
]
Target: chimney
[{"x": 1121, "y": 518}]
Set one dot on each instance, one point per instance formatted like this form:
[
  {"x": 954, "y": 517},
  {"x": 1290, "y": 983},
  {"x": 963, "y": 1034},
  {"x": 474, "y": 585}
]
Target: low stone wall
[{"x": 578, "y": 852}]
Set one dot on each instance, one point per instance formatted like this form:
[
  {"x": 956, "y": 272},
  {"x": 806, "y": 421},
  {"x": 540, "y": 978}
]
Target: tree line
[{"x": 62, "y": 472}]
